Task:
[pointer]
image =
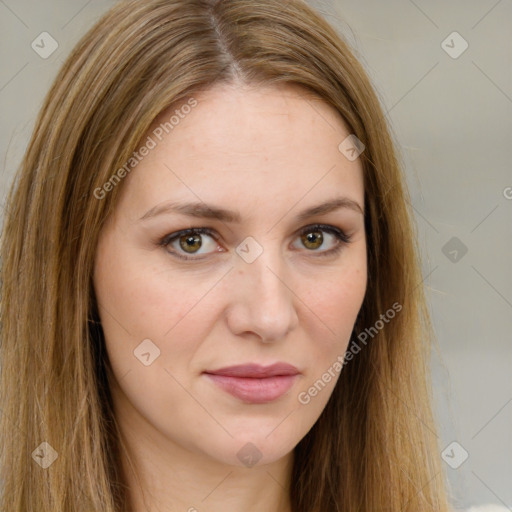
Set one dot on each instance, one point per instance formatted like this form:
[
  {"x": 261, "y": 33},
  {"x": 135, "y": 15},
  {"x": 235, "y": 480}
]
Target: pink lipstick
[{"x": 253, "y": 383}]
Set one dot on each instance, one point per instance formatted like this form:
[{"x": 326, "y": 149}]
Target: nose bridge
[
  {"x": 265, "y": 295},
  {"x": 265, "y": 274},
  {"x": 263, "y": 271}
]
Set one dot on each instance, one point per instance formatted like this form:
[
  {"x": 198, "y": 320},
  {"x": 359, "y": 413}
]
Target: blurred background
[{"x": 443, "y": 73}]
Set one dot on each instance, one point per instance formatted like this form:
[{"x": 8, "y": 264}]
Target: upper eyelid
[{"x": 214, "y": 234}]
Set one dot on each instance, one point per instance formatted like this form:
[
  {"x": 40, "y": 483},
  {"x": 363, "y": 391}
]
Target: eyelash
[{"x": 340, "y": 235}]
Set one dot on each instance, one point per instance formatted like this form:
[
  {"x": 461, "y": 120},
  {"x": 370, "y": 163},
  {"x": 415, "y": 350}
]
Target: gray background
[{"x": 452, "y": 118}]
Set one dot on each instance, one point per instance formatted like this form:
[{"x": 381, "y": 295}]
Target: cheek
[
  {"x": 144, "y": 298},
  {"x": 138, "y": 302},
  {"x": 333, "y": 306},
  {"x": 336, "y": 299}
]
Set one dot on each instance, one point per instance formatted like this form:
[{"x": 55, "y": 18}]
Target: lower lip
[{"x": 254, "y": 391}]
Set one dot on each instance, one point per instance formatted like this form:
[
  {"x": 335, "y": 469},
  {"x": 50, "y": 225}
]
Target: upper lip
[{"x": 256, "y": 371}]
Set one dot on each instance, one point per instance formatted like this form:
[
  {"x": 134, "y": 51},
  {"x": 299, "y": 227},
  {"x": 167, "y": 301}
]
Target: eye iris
[
  {"x": 189, "y": 242},
  {"x": 313, "y": 237}
]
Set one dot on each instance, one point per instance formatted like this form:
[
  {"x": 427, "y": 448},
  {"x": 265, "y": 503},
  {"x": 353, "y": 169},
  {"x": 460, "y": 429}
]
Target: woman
[{"x": 211, "y": 295}]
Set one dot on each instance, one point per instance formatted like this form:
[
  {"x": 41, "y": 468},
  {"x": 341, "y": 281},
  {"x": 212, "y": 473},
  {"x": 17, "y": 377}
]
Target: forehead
[
  {"x": 249, "y": 120},
  {"x": 245, "y": 145}
]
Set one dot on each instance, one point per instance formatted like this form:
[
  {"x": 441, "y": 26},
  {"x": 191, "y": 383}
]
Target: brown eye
[
  {"x": 190, "y": 243},
  {"x": 313, "y": 239}
]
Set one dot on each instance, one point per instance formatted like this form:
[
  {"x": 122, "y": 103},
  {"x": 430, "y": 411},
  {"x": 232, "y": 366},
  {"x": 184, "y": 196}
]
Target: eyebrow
[{"x": 204, "y": 211}]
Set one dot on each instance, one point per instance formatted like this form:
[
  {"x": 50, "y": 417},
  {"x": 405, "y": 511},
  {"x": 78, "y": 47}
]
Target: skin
[{"x": 268, "y": 153}]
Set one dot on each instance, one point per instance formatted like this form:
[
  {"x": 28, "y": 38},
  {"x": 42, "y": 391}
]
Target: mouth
[{"x": 254, "y": 383}]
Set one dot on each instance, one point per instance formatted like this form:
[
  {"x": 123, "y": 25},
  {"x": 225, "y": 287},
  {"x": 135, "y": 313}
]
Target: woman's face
[{"x": 179, "y": 309}]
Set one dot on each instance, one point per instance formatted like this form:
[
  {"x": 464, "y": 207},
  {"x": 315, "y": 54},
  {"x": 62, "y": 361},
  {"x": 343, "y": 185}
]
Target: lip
[{"x": 253, "y": 383}]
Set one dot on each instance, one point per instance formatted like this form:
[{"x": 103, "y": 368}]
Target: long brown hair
[{"x": 374, "y": 446}]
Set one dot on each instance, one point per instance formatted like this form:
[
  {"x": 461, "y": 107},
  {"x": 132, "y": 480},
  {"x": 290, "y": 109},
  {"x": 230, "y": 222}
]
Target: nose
[{"x": 263, "y": 302}]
